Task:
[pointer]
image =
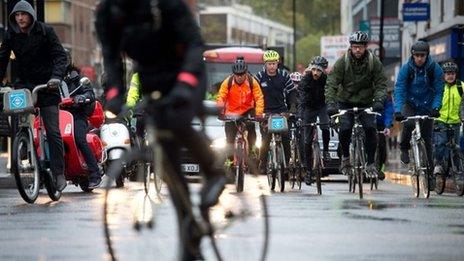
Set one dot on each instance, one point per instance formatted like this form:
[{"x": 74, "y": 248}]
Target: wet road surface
[{"x": 388, "y": 224}]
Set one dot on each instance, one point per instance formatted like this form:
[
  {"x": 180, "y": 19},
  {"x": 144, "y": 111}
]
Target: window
[{"x": 459, "y": 7}]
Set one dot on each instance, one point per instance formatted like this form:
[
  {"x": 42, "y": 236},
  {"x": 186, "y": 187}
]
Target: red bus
[{"x": 219, "y": 63}]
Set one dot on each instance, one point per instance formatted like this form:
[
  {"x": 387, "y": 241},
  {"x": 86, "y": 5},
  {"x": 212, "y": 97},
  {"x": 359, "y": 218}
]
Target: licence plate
[
  {"x": 334, "y": 155},
  {"x": 190, "y": 167}
]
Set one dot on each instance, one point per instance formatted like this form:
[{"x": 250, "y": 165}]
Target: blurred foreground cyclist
[{"x": 163, "y": 39}]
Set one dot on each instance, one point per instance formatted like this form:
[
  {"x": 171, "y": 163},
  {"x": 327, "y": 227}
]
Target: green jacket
[
  {"x": 451, "y": 105},
  {"x": 359, "y": 82},
  {"x": 133, "y": 95}
]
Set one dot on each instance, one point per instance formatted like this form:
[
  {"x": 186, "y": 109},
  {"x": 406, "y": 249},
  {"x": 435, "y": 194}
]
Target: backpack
[
  {"x": 249, "y": 79},
  {"x": 370, "y": 61}
]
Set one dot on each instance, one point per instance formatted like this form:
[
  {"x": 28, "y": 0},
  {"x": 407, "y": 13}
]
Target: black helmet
[
  {"x": 359, "y": 37},
  {"x": 320, "y": 62},
  {"x": 450, "y": 67},
  {"x": 239, "y": 67},
  {"x": 420, "y": 47}
]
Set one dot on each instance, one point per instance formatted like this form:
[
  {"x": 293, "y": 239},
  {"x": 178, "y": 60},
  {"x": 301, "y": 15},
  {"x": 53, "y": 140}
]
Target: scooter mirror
[{"x": 84, "y": 81}]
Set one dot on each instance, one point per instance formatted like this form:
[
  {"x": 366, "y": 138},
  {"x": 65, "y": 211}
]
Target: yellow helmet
[{"x": 271, "y": 56}]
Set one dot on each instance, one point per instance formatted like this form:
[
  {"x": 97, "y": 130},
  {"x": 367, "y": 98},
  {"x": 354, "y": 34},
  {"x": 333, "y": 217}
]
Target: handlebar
[
  {"x": 418, "y": 117},
  {"x": 36, "y": 90},
  {"x": 356, "y": 110},
  {"x": 237, "y": 118},
  {"x": 70, "y": 102}
]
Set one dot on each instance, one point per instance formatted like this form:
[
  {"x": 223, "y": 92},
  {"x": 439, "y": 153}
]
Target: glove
[
  {"x": 259, "y": 117},
  {"x": 114, "y": 101},
  {"x": 53, "y": 83},
  {"x": 332, "y": 109},
  {"x": 386, "y": 132},
  {"x": 434, "y": 113},
  {"x": 180, "y": 96},
  {"x": 377, "y": 106},
  {"x": 399, "y": 116},
  {"x": 79, "y": 99}
]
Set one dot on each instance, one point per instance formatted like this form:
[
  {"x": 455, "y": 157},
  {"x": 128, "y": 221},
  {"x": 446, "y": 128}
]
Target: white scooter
[{"x": 116, "y": 141}]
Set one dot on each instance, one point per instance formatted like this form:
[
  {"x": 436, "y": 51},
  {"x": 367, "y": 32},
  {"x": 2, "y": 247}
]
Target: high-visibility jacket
[
  {"x": 451, "y": 104},
  {"x": 133, "y": 95},
  {"x": 240, "y": 98}
]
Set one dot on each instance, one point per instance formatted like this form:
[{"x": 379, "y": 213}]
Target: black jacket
[
  {"x": 72, "y": 79},
  {"x": 163, "y": 41},
  {"x": 312, "y": 96},
  {"x": 39, "y": 55},
  {"x": 275, "y": 91}
]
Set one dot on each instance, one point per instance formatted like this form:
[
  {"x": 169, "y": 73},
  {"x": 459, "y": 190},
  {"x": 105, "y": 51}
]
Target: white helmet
[{"x": 296, "y": 77}]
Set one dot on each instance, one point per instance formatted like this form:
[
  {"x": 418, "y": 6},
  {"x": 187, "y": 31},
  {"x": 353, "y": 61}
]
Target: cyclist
[
  {"x": 450, "y": 116},
  {"x": 275, "y": 84},
  {"x": 133, "y": 103},
  {"x": 164, "y": 40},
  {"x": 418, "y": 91},
  {"x": 40, "y": 59},
  {"x": 84, "y": 104},
  {"x": 384, "y": 124},
  {"x": 240, "y": 95},
  {"x": 313, "y": 106},
  {"x": 357, "y": 80}
]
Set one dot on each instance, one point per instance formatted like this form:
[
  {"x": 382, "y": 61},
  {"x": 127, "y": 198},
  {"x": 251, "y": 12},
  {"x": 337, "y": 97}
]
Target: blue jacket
[
  {"x": 386, "y": 119},
  {"x": 417, "y": 90}
]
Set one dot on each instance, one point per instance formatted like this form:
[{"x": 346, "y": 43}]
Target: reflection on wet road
[{"x": 389, "y": 224}]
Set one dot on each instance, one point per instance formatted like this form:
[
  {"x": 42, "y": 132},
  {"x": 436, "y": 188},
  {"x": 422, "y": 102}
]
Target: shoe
[
  {"x": 95, "y": 183},
  {"x": 372, "y": 171},
  {"x": 60, "y": 182},
  {"x": 381, "y": 175},
  {"x": 211, "y": 190},
  {"x": 345, "y": 165},
  {"x": 308, "y": 178},
  {"x": 404, "y": 157}
]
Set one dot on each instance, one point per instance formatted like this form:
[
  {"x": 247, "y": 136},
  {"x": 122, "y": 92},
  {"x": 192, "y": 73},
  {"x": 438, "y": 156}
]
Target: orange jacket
[{"x": 240, "y": 98}]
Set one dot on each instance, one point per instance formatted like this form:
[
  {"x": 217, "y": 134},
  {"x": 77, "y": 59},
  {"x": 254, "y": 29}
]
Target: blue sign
[
  {"x": 414, "y": 12},
  {"x": 17, "y": 100}
]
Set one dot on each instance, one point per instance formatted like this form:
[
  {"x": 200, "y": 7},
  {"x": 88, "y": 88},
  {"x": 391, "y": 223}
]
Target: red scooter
[{"x": 76, "y": 169}]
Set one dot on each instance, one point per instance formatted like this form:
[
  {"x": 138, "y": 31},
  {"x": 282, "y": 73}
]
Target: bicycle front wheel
[
  {"x": 270, "y": 170},
  {"x": 458, "y": 175},
  {"x": 317, "y": 166},
  {"x": 24, "y": 166},
  {"x": 423, "y": 171},
  {"x": 359, "y": 166}
]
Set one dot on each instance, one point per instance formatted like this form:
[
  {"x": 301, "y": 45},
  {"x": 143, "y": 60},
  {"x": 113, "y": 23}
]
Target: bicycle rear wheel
[
  {"x": 423, "y": 171},
  {"x": 24, "y": 166},
  {"x": 280, "y": 167}
]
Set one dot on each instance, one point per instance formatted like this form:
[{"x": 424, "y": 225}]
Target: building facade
[
  {"x": 444, "y": 32},
  {"x": 238, "y": 25}
]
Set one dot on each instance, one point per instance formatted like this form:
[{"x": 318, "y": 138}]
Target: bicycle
[
  {"x": 317, "y": 163},
  {"x": 295, "y": 166},
  {"x": 240, "y": 165},
  {"x": 357, "y": 154},
  {"x": 276, "y": 164},
  {"x": 236, "y": 220},
  {"x": 454, "y": 163},
  {"x": 420, "y": 169},
  {"x": 30, "y": 162}
]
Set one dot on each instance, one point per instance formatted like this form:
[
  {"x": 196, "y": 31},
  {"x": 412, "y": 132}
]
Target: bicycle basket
[
  {"x": 277, "y": 124},
  {"x": 17, "y": 102}
]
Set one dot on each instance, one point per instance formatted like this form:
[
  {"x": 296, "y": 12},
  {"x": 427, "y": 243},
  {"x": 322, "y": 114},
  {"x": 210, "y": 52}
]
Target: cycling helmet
[
  {"x": 239, "y": 67},
  {"x": 450, "y": 67},
  {"x": 296, "y": 77},
  {"x": 271, "y": 56},
  {"x": 319, "y": 61},
  {"x": 359, "y": 37},
  {"x": 420, "y": 47}
]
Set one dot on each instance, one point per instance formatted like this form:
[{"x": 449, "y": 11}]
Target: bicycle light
[{"x": 219, "y": 143}]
